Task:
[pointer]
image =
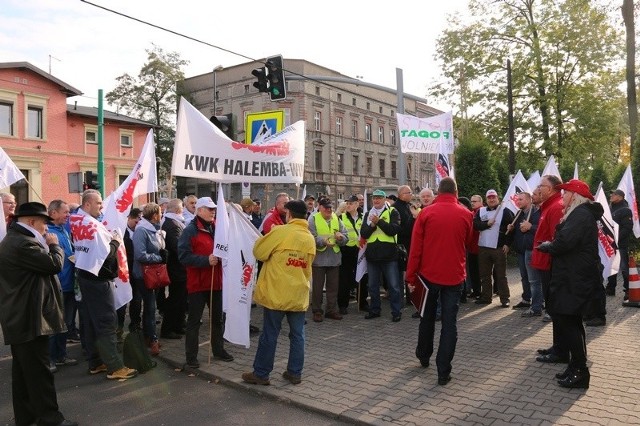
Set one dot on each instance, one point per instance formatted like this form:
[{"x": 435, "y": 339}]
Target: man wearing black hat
[
  {"x": 31, "y": 311},
  {"x": 623, "y": 216},
  {"x": 310, "y": 201}
]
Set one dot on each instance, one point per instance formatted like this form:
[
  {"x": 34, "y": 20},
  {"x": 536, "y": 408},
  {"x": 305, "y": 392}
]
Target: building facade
[
  {"x": 48, "y": 139},
  {"x": 352, "y": 139}
]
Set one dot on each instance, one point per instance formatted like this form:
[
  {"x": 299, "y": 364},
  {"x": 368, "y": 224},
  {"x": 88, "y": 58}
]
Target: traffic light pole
[{"x": 100, "y": 143}]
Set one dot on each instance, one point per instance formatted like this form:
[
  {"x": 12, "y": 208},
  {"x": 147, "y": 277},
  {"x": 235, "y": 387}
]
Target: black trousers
[
  {"x": 559, "y": 346},
  {"x": 175, "y": 308},
  {"x": 347, "y": 274},
  {"x": 33, "y": 388},
  {"x": 197, "y": 302},
  {"x": 572, "y": 332}
]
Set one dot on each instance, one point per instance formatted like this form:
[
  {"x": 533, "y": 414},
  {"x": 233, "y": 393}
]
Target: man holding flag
[{"x": 96, "y": 251}]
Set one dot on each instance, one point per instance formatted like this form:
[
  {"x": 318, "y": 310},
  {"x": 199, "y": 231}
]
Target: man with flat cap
[{"x": 30, "y": 311}]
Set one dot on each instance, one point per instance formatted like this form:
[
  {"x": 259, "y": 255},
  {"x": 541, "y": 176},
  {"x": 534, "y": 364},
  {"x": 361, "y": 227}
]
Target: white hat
[
  {"x": 205, "y": 202},
  {"x": 491, "y": 192}
]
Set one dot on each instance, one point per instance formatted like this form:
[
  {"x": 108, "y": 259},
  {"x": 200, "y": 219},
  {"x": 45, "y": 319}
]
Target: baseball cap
[
  {"x": 247, "y": 202},
  {"x": 353, "y": 198},
  {"x": 163, "y": 200},
  {"x": 491, "y": 193},
  {"x": 392, "y": 197},
  {"x": 379, "y": 193},
  {"x": 577, "y": 186},
  {"x": 326, "y": 203},
  {"x": 619, "y": 192},
  {"x": 309, "y": 197},
  {"x": 205, "y": 202},
  {"x": 256, "y": 200}
]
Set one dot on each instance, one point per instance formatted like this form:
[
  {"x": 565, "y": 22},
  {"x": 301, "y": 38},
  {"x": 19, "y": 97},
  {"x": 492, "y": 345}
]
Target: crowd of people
[{"x": 453, "y": 246}]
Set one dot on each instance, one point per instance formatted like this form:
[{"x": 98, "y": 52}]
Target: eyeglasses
[
  {"x": 543, "y": 185},
  {"x": 407, "y": 193},
  {"x": 11, "y": 203}
]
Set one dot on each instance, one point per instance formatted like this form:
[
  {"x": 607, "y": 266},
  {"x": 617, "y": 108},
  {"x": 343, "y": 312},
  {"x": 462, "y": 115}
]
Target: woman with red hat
[{"x": 576, "y": 273}]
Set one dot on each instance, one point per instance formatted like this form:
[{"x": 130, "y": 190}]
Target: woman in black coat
[{"x": 576, "y": 273}]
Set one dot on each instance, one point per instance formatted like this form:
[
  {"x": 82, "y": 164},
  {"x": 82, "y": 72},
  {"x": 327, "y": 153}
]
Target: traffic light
[
  {"x": 275, "y": 75},
  {"x": 262, "y": 84},
  {"x": 91, "y": 180},
  {"x": 224, "y": 123}
]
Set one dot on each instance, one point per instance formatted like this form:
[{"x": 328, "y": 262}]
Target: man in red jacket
[
  {"x": 550, "y": 215},
  {"x": 439, "y": 242}
]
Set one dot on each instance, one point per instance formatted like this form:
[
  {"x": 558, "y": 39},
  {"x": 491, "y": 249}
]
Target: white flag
[
  {"x": 361, "y": 265},
  {"x": 518, "y": 184},
  {"x": 426, "y": 134},
  {"x": 90, "y": 241},
  {"x": 607, "y": 237},
  {"x": 142, "y": 180},
  {"x": 9, "y": 174},
  {"x": 626, "y": 185},
  {"x": 304, "y": 192},
  {"x": 551, "y": 168},
  {"x": 442, "y": 164},
  {"x": 222, "y": 228},
  {"x": 239, "y": 277},
  {"x": 534, "y": 180},
  {"x": 575, "y": 171}
]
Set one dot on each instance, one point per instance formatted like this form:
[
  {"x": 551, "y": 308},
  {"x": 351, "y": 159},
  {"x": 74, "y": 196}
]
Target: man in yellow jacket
[{"x": 283, "y": 290}]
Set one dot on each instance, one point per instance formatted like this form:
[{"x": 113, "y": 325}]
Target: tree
[
  {"x": 473, "y": 173},
  {"x": 565, "y": 80},
  {"x": 151, "y": 96}
]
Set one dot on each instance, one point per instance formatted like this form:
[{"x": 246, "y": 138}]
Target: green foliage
[
  {"x": 566, "y": 77},
  {"x": 473, "y": 170},
  {"x": 151, "y": 96},
  {"x": 598, "y": 174}
]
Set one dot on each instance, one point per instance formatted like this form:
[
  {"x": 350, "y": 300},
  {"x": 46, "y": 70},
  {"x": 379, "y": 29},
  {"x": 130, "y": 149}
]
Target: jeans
[
  {"x": 99, "y": 322},
  {"x": 524, "y": 275},
  {"x": 70, "y": 311},
  {"x": 148, "y": 309},
  {"x": 534, "y": 283},
  {"x": 57, "y": 347},
  {"x": 392, "y": 277},
  {"x": 449, "y": 296},
  {"x": 265, "y": 355}
]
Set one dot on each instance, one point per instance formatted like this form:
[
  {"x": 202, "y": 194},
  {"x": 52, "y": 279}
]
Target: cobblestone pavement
[{"x": 365, "y": 371}]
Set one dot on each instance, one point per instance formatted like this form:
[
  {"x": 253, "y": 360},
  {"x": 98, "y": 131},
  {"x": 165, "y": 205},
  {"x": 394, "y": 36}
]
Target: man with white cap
[
  {"x": 204, "y": 281},
  {"x": 493, "y": 245}
]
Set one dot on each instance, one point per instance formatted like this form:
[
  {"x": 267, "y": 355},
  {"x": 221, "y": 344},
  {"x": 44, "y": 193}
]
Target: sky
[{"x": 88, "y": 47}]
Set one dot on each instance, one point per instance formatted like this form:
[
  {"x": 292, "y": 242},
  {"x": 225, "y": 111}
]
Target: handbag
[
  {"x": 155, "y": 275},
  {"x": 402, "y": 253}
]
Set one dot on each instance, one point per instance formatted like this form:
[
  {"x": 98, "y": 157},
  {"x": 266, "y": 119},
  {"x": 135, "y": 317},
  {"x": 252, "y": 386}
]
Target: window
[
  {"x": 217, "y": 95},
  {"x": 354, "y": 129},
  {"x": 380, "y": 110},
  {"x": 317, "y": 90},
  {"x": 382, "y": 165},
  {"x": 381, "y": 134},
  {"x": 353, "y": 101},
  {"x": 356, "y": 165},
  {"x": 90, "y": 134},
  {"x": 316, "y": 120},
  {"x": 34, "y": 123},
  {"x": 339, "y": 97},
  {"x": 126, "y": 138},
  {"x": 246, "y": 89},
  {"x": 339, "y": 126},
  {"x": 368, "y": 105},
  {"x": 392, "y": 134},
  {"x": 35, "y": 126},
  {"x": 394, "y": 172},
  {"x": 6, "y": 119},
  {"x": 369, "y": 166},
  {"x": 318, "y": 160},
  {"x": 340, "y": 161},
  {"x": 367, "y": 132}
]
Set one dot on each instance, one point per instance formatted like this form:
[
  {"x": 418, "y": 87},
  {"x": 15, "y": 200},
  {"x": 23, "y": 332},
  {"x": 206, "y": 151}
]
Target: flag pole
[
  {"x": 213, "y": 271},
  {"x": 514, "y": 220},
  {"x": 34, "y": 191}
]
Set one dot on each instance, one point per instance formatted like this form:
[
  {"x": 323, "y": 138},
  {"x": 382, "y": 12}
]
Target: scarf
[
  {"x": 37, "y": 235},
  {"x": 376, "y": 212},
  {"x": 160, "y": 234},
  {"x": 177, "y": 217}
]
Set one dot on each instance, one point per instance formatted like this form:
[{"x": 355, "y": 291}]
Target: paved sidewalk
[{"x": 365, "y": 371}]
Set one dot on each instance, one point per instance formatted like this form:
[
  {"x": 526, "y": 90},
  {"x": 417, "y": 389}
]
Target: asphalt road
[{"x": 162, "y": 396}]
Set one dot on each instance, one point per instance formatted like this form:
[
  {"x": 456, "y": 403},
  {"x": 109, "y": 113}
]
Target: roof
[
  {"x": 92, "y": 112},
  {"x": 65, "y": 88}
]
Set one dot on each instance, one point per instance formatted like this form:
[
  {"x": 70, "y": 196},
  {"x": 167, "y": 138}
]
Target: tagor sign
[{"x": 432, "y": 135}]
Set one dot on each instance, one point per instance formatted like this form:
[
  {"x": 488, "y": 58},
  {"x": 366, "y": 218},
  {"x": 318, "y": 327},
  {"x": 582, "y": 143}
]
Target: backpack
[{"x": 135, "y": 354}]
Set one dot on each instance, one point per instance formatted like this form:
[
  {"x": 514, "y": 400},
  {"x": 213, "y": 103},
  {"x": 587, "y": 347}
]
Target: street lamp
[{"x": 215, "y": 89}]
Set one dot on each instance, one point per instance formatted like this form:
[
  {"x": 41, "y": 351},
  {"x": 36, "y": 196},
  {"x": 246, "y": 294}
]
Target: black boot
[
  {"x": 578, "y": 378},
  {"x": 566, "y": 373}
]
